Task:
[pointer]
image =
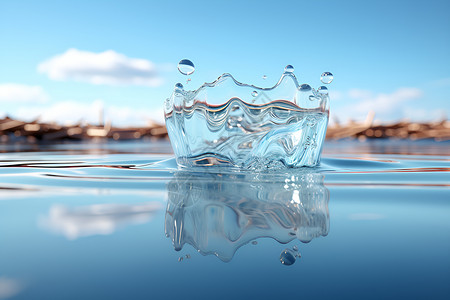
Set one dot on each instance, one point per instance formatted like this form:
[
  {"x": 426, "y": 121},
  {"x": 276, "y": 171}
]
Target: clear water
[
  {"x": 229, "y": 123},
  {"x": 186, "y": 67},
  {"x": 203, "y": 209},
  {"x": 287, "y": 257},
  {"x": 242, "y": 135},
  {"x": 121, "y": 221},
  {"x": 326, "y": 77},
  {"x": 289, "y": 69}
]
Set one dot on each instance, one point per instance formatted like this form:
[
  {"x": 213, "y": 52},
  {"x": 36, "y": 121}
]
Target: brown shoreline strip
[{"x": 14, "y": 130}]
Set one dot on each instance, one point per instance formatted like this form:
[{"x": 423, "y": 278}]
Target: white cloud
[
  {"x": 13, "y": 92},
  {"x": 99, "y": 219},
  {"x": 386, "y": 106},
  {"x": 383, "y": 103},
  {"x": 359, "y": 94},
  {"x": 71, "y": 112},
  {"x": 336, "y": 95},
  {"x": 423, "y": 114},
  {"x": 107, "y": 67}
]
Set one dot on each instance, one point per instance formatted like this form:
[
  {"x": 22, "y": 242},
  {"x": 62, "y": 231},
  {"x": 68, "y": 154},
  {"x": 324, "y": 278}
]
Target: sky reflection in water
[{"x": 91, "y": 223}]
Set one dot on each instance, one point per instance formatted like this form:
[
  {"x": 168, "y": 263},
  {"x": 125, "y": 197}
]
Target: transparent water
[
  {"x": 228, "y": 123},
  {"x": 121, "y": 221},
  {"x": 242, "y": 135}
]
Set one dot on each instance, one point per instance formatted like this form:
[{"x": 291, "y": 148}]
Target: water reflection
[
  {"x": 10, "y": 287},
  {"x": 218, "y": 213},
  {"x": 75, "y": 222}
]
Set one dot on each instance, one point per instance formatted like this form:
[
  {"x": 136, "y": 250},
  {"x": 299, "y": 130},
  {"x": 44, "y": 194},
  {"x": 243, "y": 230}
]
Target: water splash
[
  {"x": 289, "y": 69},
  {"x": 326, "y": 77},
  {"x": 305, "y": 88},
  {"x": 287, "y": 257},
  {"x": 323, "y": 90},
  {"x": 186, "y": 67},
  {"x": 229, "y": 123}
]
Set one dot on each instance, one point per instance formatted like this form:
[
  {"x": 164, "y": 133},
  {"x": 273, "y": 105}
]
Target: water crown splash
[{"x": 229, "y": 123}]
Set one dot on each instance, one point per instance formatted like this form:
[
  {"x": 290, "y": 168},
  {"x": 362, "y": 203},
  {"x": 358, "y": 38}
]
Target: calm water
[{"x": 119, "y": 221}]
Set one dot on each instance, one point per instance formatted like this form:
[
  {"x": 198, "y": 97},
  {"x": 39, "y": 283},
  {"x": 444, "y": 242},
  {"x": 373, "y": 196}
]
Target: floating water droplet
[
  {"x": 254, "y": 93},
  {"x": 188, "y": 256},
  {"x": 304, "y": 88},
  {"x": 180, "y": 258},
  {"x": 289, "y": 69},
  {"x": 186, "y": 67},
  {"x": 327, "y": 77},
  {"x": 254, "y": 243},
  {"x": 295, "y": 248},
  {"x": 287, "y": 257},
  {"x": 179, "y": 86},
  {"x": 323, "y": 90},
  {"x": 264, "y": 77}
]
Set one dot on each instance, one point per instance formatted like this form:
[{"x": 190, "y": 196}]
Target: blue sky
[{"x": 388, "y": 56}]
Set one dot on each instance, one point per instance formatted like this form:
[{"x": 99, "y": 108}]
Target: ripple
[{"x": 41, "y": 170}]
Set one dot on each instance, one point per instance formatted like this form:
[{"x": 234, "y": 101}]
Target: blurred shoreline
[
  {"x": 12, "y": 130},
  {"x": 438, "y": 131}
]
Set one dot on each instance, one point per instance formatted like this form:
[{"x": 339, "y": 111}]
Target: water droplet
[
  {"x": 289, "y": 69},
  {"x": 188, "y": 256},
  {"x": 254, "y": 243},
  {"x": 295, "y": 248},
  {"x": 264, "y": 77},
  {"x": 287, "y": 257},
  {"x": 254, "y": 93},
  {"x": 179, "y": 86},
  {"x": 323, "y": 90},
  {"x": 180, "y": 258},
  {"x": 186, "y": 67},
  {"x": 327, "y": 77},
  {"x": 304, "y": 88}
]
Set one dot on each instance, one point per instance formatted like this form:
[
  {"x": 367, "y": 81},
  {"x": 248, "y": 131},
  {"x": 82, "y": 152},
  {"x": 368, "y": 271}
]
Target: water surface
[{"x": 120, "y": 221}]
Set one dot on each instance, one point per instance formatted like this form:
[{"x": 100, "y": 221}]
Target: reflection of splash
[
  {"x": 97, "y": 219},
  {"x": 218, "y": 213}
]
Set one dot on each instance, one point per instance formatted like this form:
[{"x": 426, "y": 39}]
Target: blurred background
[
  {"x": 90, "y": 189},
  {"x": 114, "y": 63}
]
